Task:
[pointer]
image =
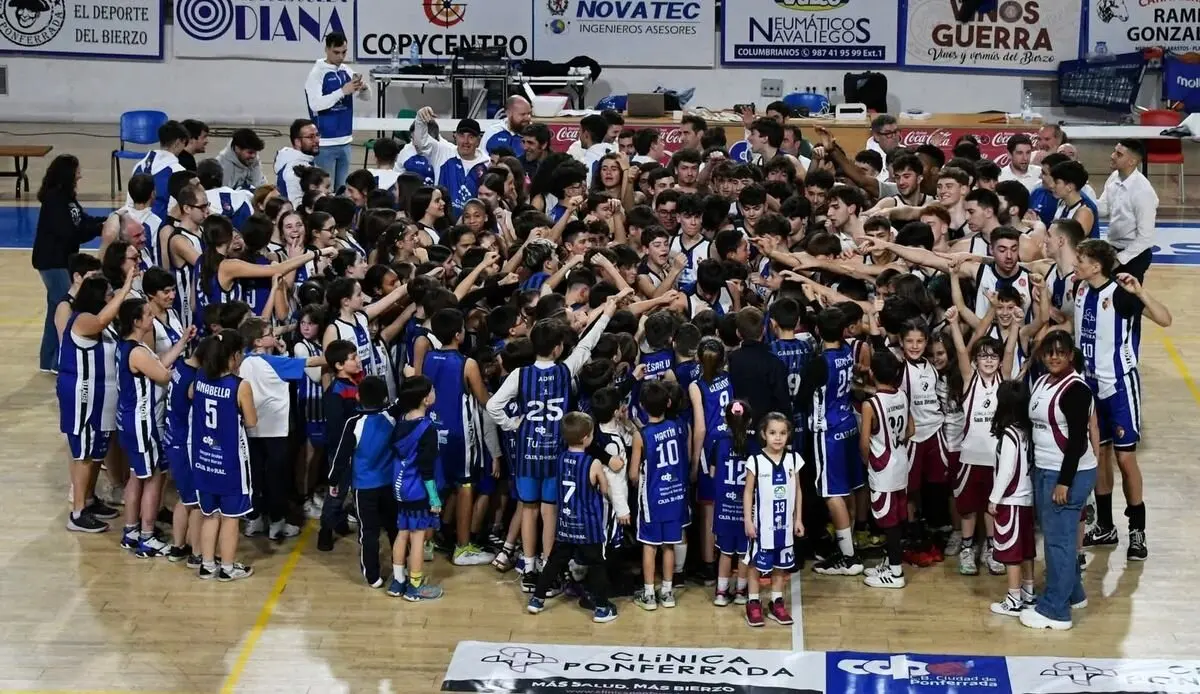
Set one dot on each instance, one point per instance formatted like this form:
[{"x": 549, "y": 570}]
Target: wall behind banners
[{"x": 258, "y": 29}]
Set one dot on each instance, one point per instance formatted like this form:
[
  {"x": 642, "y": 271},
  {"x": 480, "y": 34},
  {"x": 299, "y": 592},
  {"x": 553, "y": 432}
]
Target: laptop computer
[{"x": 645, "y": 106}]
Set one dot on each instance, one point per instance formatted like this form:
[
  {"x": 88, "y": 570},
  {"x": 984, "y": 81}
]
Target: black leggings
[
  {"x": 271, "y": 475},
  {"x": 591, "y": 556},
  {"x": 376, "y": 511}
]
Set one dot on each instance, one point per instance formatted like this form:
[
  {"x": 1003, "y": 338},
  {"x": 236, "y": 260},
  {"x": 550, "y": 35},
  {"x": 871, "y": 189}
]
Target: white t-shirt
[{"x": 268, "y": 375}]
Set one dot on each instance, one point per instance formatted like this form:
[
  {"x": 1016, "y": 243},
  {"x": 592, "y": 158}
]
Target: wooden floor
[{"x": 78, "y": 614}]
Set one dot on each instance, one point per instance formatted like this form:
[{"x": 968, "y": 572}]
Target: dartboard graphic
[{"x": 445, "y": 13}]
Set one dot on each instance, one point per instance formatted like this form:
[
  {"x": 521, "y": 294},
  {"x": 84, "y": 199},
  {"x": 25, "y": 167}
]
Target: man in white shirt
[
  {"x": 1020, "y": 149},
  {"x": 328, "y": 89},
  {"x": 305, "y": 138},
  {"x": 592, "y": 131},
  {"x": 648, "y": 147},
  {"x": 1130, "y": 205},
  {"x": 885, "y": 137},
  {"x": 457, "y": 166}
]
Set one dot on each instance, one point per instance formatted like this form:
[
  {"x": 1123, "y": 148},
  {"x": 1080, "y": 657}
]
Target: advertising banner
[
  {"x": 1028, "y": 36},
  {"x": 993, "y": 144},
  {"x": 1124, "y": 26},
  {"x": 616, "y": 33},
  {"x": 120, "y": 30},
  {"x": 804, "y": 33},
  {"x": 438, "y": 28},
  {"x": 259, "y": 29},
  {"x": 563, "y": 135}
]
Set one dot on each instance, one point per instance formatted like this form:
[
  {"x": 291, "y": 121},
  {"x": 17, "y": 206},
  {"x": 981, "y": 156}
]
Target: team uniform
[
  {"x": 358, "y": 334},
  {"x": 1107, "y": 322},
  {"x": 455, "y": 416},
  {"x": 1012, "y": 493},
  {"x": 414, "y": 441},
  {"x": 729, "y": 472},
  {"x": 543, "y": 393},
  {"x": 954, "y": 421},
  {"x": 175, "y": 434},
  {"x": 81, "y": 386},
  {"x": 662, "y": 487},
  {"x": 888, "y": 464},
  {"x": 774, "y": 511},
  {"x": 309, "y": 393},
  {"x": 714, "y": 396},
  {"x": 657, "y": 364},
  {"x": 186, "y": 294},
  {"x": 219, "y": 449},
  {"x": 141, "y": 411},
  {"x": 978, "y": 456},
  {"x": 988, "y": 280},
  {"x": 833, "y": 423},
  {"x": 929, "y": 463},
  {"x": 795, "y": 354},
  {"x": 693, "y": 254}
]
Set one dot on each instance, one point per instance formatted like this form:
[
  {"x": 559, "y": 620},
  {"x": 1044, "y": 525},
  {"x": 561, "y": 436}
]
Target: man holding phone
[{"x": 328, "y": 89}]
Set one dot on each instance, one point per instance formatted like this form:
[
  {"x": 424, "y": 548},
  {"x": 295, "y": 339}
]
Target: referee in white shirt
[{"x": 1130, "y": 205}]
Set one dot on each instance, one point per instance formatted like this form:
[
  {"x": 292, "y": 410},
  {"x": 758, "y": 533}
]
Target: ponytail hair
[
  {"x": 738, "y": 417},
  {"x": 215, "y": 231},
  {"x": 222, "y": 347},
  {"x": 130, "y": 313},
  {"x": 711, "y": 355},
  {"x": 338, "y": 291}
]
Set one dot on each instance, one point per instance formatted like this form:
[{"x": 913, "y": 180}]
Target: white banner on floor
[
  {"x": 1124, "y": 26},
  {"x": 1028, "y": 36},
  {"x": 616, "y": 33},
  {"x": 292, "y": 30}
]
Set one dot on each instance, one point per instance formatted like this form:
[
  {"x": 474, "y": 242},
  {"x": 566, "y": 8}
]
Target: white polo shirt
[{"x": 1030, "y": 179}]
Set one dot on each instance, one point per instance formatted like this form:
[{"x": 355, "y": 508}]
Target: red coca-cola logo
[
  {"x": 993, "y": 144},
  {"x": 672, "y": 138},
  {"x": 565, "y": 133}
]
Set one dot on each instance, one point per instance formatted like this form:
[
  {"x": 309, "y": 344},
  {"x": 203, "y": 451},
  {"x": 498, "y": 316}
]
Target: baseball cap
[{"x": 469, "y": 126}]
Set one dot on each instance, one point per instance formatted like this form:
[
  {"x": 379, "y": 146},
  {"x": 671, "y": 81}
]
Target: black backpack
[{"x": 868, "y": 88}]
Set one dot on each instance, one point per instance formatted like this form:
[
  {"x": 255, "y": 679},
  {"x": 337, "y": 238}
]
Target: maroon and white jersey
[
  {"x": 887, "y": 468},
  {"x": 920, "y": 385},
  {"x": 954, "y": 419},
  {"x": 979, "y": 402},
  {"x": 1011, "y": 484},
  {"x": 1050, "y": 432}
]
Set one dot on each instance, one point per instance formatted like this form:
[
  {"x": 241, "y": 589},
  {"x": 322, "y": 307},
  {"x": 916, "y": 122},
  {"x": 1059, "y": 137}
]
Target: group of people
[{"x": 609, "y": 371}]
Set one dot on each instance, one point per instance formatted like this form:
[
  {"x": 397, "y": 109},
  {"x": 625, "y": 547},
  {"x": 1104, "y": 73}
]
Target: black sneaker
[
  {"x": 529, "y": 582},
  {"x": 85, "y": 523},
  {"x": 839, "y": 565},
  {"x": 101, "y": 510},
  {"x": 178, "y": 554},
  {"x": 207, "y": 574},
  {"x": 342, "y": 529},
  {"x": 325, "y": 540},
  {"x": 1137, "y": 546},
  {"x": 823, "y": 548},
  {"x": 194, "y": 561},
  {"x": 1097, "y": 536}
]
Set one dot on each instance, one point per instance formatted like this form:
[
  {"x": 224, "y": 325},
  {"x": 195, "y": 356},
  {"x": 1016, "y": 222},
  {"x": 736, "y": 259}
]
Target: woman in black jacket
[{"x": 62, "y": 227}]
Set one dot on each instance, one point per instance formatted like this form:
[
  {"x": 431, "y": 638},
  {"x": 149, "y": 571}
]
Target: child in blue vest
[
  {"x": 414, "y": 452},
  {"x": 583, "y": 520}
]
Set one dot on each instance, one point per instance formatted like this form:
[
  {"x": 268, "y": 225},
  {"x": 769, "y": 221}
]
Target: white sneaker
[
  {"x": 256, "y": 527},
  {"x": 994, "y": 567},
  {"x": 1079, "y": 605},
  {"x": 470, "y": 555},
  {"x": 877, "y": 570},
  {"x": 312, "y": 509},
  {"x": 281, "y": 530},
  {"x": 1036, "y": 620},
  {"x": 968, "y": 564},
  {"x": 1008, "y": 607},
  {"x": 666, "y": 598},
  {"x": 954, "y": 544},
  {"x": 885, "y": 579}
]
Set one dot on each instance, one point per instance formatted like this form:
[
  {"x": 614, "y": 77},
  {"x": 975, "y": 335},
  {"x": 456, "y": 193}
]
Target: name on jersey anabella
[
  {"x": 1012, "y": 28},
  {"x": 660, "y": 17}
]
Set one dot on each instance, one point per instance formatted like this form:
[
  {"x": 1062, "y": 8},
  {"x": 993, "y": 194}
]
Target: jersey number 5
[{"x": 210, "y": 414}]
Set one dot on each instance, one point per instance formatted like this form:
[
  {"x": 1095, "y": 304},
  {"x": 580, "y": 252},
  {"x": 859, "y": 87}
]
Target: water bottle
[
  {"x": 414, "y": 54},
  {"x": 1027, "y": 107},
  {"x": 396, "y": 58}
]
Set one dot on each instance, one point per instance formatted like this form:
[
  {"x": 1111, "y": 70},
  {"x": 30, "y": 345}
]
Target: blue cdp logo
[{"x": 207, "y": 20}]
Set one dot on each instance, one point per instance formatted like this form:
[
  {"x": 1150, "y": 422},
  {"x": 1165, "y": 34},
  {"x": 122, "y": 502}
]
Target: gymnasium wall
[{"x": 260, "y": 92}]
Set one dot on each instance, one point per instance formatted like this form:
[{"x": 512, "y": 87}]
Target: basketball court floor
[{"x": 77, "y": 614}]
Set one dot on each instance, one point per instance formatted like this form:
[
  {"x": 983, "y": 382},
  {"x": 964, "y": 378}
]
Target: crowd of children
[{"x": 539, "y": 376}]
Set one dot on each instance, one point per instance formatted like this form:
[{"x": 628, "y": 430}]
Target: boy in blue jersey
[
  {"x": 659, "y": 465},
  {"x": 459, "y": 381},
  {"x": 542, "y": 392},
  {"x": 365, "y": 450},
  {"x": 826, "y": 384},
  {"x": 657, "y": 356},
  {"x": 583, "y": 520},
  {"x": 414, "y": 457},
  {"x": 340, "y": 401}
]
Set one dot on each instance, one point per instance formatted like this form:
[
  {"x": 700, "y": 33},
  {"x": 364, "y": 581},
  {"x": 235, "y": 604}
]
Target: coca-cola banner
[
  {"x": 563, "y": 135},
  {"x": 993, "y": 144},
  {"x": 1027, "y": 36}
]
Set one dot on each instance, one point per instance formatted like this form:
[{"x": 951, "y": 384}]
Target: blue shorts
[
  {"x": 531, "y": 490},
  {"x": 181, "y": 471},
  {"x": 839, "y": 465},
  {"x": 228, "y": 505},
  {"x": 661, "y": 533},
  {"x": 91, "y": 444},
  {"x": 145, "y": 457},
  {"x": 315, "y": 431},
  {"x": 767, "y": 560},
  {"x": 733, "y": 543},
  {"x": 486, "y": 486},
  {"x": 416, "y": 520},
  {"x": 458, "y": 461},
  {"x": 1120, "y": 415}
]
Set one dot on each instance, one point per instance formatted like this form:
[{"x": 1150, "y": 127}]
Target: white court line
[{"x": 797, "y": 615}]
